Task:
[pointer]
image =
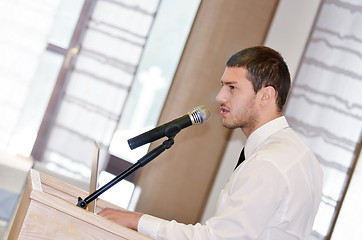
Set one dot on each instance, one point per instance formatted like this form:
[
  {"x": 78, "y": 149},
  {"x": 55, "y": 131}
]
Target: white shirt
[{"x": 274, "y": 194}]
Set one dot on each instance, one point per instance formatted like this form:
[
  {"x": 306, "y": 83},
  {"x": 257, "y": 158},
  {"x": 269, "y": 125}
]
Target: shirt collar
[{"x": 262, "y": 133}]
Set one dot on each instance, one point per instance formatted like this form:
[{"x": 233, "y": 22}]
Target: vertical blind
[
  {"x": 99, "y": 83},
  {"x": 325, "y": 105}
]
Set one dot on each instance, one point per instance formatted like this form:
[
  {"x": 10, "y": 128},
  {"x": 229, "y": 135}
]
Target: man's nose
[{"x": 220, "y": 97}]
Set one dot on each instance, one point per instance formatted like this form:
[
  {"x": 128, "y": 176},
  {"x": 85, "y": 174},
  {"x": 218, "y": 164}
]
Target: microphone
[{"x": 197, "y": 115}]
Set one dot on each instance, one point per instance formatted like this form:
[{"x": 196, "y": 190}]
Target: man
[{"x": 275, "y": 192}]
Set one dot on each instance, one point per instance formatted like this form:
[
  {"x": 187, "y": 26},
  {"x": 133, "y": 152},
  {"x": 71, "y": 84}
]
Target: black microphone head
[{"x": 199, "y": 115}]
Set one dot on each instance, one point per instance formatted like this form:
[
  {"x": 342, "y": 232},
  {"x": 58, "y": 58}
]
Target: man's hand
[{"x": 126, "y": 218}]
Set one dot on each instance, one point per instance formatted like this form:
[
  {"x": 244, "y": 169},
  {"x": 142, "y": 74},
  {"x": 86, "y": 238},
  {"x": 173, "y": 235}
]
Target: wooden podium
[{"x": 47, "y": 210}]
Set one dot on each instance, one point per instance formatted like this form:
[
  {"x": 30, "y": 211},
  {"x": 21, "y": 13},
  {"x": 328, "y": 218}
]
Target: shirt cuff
[{"x": 149, "y": 225}]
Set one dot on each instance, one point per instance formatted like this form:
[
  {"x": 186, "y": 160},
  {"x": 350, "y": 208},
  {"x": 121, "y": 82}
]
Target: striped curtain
[
  {"x": 325, "y": 104},
  {"x": 99, "y": 84}
]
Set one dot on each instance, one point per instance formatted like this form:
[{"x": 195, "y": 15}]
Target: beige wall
[{"x": 176, "y": 185}]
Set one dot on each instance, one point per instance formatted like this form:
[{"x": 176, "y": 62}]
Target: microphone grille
[{"x": 199, "y": 115}]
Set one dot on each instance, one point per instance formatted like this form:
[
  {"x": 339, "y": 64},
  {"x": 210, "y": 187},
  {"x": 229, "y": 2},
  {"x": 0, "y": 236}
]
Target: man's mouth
[{"x": 224, "y": 111}]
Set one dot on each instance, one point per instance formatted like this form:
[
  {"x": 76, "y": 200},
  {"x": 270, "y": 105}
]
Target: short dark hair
[{"x": 266, "y": 67}]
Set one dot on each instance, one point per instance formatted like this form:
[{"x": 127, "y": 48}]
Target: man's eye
[{"x": 231, "y": 87}]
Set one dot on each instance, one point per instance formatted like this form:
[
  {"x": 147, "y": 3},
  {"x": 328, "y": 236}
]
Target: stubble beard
[
  {"x": 246, "y": 120},
  {"x": 248, "y": 123}
]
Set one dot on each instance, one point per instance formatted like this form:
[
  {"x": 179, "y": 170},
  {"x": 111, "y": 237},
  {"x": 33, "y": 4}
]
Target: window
[{"x": 92, "y": 55}]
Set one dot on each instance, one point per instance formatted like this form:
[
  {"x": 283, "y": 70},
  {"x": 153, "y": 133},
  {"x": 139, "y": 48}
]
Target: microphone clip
[{"x": 172, "y": 130}]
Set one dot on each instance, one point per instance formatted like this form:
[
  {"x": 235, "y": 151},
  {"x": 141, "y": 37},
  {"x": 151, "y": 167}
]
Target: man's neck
[{"x": 248, "y": 131}]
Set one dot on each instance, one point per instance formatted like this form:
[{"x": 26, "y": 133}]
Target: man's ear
[{"x": 267, "y": 95}]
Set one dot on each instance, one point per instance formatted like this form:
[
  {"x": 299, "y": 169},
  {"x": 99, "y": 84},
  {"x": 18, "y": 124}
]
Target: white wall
[{"x": 288, "y": 34}]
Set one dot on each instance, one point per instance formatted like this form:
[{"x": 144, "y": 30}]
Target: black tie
[{"x": 241, "y": 158}]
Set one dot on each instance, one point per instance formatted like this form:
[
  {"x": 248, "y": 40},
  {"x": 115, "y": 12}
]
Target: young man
[{"x": 275, "y": 192}]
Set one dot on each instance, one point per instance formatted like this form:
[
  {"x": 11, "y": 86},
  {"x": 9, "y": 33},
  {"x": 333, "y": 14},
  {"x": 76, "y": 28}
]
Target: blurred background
[{"x": 75, "y": 73}]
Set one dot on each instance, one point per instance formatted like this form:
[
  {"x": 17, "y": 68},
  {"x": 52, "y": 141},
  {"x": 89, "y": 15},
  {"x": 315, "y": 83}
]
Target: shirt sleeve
[{"x": 149, "y": 225}]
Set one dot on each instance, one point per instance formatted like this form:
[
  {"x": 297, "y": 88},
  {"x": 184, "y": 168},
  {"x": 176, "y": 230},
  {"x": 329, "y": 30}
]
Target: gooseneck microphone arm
[{"x": 140, "y": 163}]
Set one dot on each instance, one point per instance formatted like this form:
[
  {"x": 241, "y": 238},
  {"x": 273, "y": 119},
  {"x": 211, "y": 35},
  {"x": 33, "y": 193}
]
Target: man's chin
[{"x": 229, "y": 125}]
